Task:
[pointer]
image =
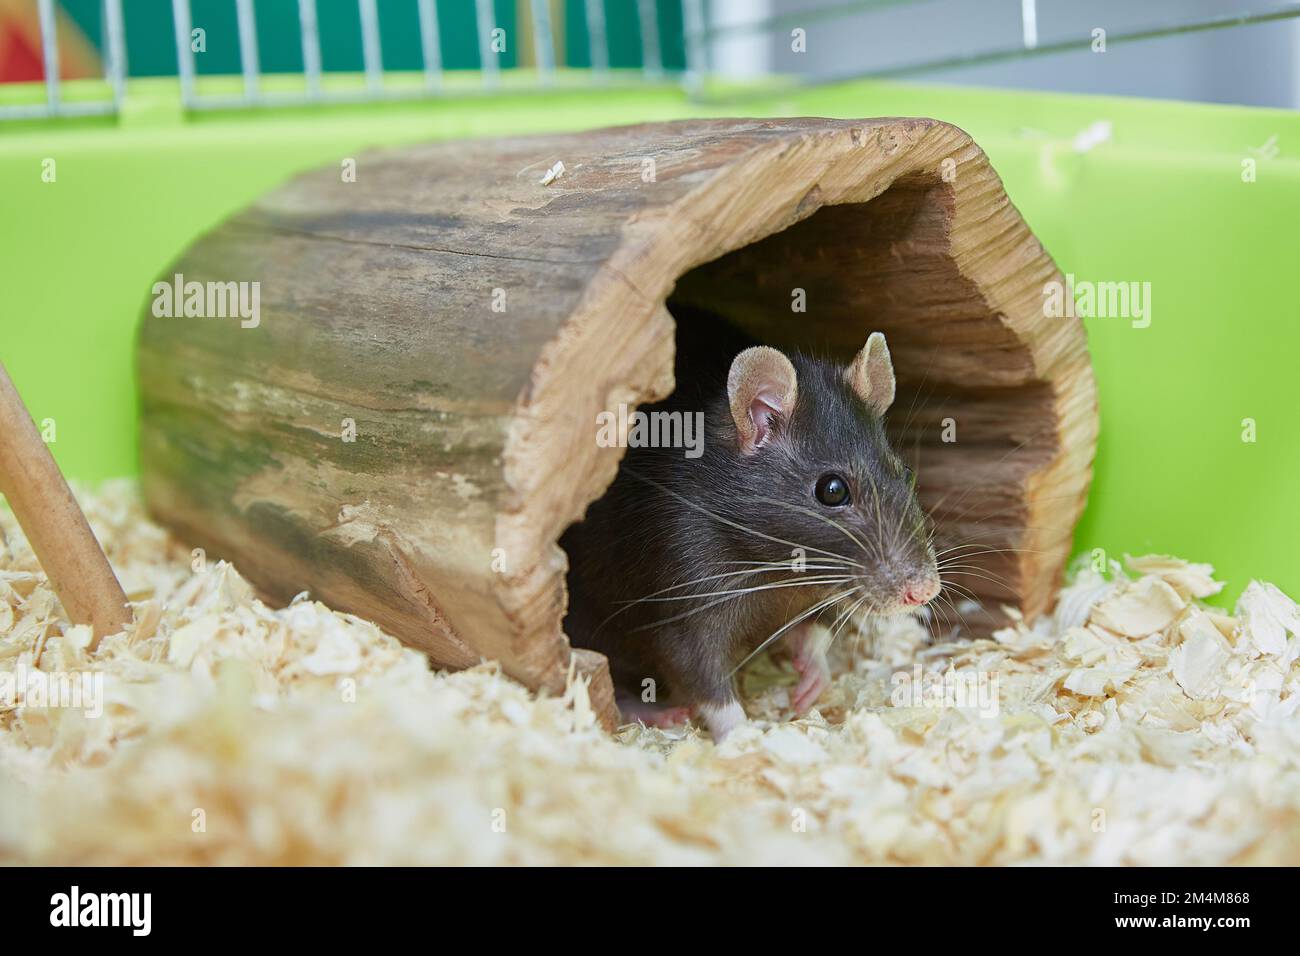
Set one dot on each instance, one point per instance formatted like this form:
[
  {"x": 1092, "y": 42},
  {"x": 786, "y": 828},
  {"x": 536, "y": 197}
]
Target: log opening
[{"x": 971, "y": 414}]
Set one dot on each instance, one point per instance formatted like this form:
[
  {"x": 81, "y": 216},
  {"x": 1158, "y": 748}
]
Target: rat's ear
[
  {"x": 761, "y": 387},
  {"x": 871, "y": 375}
]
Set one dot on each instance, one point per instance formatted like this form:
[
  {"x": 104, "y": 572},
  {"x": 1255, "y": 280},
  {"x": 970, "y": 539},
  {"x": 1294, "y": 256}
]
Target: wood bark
[{"x": 470, "y": 323}]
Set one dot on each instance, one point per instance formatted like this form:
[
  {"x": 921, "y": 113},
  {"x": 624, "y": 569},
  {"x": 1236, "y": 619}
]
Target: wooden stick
[{"x": 54, "y": 524}]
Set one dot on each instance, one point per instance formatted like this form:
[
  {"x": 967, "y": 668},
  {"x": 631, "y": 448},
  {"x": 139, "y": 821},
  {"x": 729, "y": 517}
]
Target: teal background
[
  {"x": 1162, "y": 201},
  {"x": 151, "y": 43}
]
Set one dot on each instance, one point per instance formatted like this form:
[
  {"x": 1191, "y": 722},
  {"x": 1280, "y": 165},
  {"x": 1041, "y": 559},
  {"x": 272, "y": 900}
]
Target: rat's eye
[{"x": 832, "y": 490}]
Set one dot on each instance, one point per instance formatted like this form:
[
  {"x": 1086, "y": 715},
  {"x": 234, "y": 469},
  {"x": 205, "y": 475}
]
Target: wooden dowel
[{"x": 54, "y": 524}]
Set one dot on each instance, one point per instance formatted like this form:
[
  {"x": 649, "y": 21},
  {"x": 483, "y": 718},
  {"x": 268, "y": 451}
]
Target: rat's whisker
[
  {"x": 654, "y": 595},
  {"x": 868, "y": 607},
  {"x": 880, "y": 521},
  {"x": 781, "y": 562},
  {"x": 962, "y": 516},
  {"x": 674, "y": 587},
  {"x": 727, "y": 521},
  {"x": 1010, "y": 451},
  {"x": 989, "y": 527},
  {"x": 962, "y": 592},
  {"x": 791, "y": 564},
  {"x": 767, "y": 641},
  {"x": 683, "y": 615},
  {"x": 986, "y": 550},
  {"x": 902, "y": 514},
  {"x": 820, "y": 517},
  {"x": 976, "y": 572},
  {"x": 732, "y": 596},
  {"x": 942, "y": 604},
  {"x": 787, "y": 583},
  {"x": 961, "y": 589},
  {"x": 946, "y": 597},
  {"x": 847, "y": 616},
  {"x": 780, "y": 566},
  {"x": 834, "y": 624},
  {"x": 981, "y": 577},
  {"x": 962, "y": 565}
]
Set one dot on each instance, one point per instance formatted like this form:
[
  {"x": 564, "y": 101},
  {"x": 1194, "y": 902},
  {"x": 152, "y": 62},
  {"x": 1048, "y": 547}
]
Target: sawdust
[{"x": 1135, "y": 726}]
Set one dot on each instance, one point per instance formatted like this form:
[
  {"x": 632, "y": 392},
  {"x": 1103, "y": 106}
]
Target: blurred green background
[{"x": 1161, "y": 199}]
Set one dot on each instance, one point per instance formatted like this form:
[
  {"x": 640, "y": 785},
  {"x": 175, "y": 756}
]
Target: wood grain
[
  {"x": 475, "y": 437},
  {"x": 54, "y": 524}
]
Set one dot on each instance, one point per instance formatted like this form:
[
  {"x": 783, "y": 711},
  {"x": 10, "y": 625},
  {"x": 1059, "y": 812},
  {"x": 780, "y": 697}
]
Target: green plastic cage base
[{"x": 1160, "y": 195}]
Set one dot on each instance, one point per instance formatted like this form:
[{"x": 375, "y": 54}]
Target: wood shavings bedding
[{"x": 1136, "y": 726}]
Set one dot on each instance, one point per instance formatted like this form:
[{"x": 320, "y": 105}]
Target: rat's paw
[
  {"x": 662, "y": 716},
  {"x": 721, "y": 719},
  {"x": 813, "y": 682},
  {"x": 809, "y": 659},
  {"x": 808, "y": 645}
]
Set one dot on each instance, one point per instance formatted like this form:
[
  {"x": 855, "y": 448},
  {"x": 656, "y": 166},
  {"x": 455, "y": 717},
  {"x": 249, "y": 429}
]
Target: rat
[{"x": 794, "y": 508}]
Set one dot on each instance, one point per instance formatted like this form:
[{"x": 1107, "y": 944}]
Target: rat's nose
[{"x": 919, "y": 592}]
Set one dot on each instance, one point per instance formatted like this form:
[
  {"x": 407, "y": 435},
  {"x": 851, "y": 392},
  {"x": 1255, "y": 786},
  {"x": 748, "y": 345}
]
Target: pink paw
[
  {"x": 652, "y": 715},
  {"x": 804, "y": 645},
  {"x": 814, "y": 678},
  {"x": 809, "y": 659}
]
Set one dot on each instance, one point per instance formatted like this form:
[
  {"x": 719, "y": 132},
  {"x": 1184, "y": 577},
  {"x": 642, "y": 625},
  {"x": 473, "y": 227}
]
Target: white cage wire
[
  {"x": 1041, "y": 29},
  {"x": 375, "y": 87}
]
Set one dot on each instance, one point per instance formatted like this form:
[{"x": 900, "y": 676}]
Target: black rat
[{"x": 795, "y": 508}]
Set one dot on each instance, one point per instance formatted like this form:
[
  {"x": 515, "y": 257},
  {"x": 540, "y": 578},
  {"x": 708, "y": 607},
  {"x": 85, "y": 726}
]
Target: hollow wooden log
[{"x": 411, "y": 424}]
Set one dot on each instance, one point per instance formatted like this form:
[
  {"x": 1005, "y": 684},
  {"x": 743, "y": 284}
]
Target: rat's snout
[
  {"x": 900, "y": 593},
  {"x": 920, "y": 591}
]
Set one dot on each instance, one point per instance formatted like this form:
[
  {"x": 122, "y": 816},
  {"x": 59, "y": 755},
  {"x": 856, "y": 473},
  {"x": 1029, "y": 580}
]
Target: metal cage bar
[
  {"x": 249, "y": 64},
  {"x": 50, "y": 54},
  {"x": 1029, "y": 23},
  {"x": 371, "y": 49},
  {"x": 184, "y": 53},
  {"x": 115, "y": 39},
  {"x": 543, "y": 41},
  {"x": 430, "y": 45},
  {"x": 699, "y": 34},
  {"x": 54, "y": 104},
  {"x": 485, "y": 19},
  {"x": 1028, "y": 41},
  {"x": 695, "y": 26},
  {"x": 597, "y": 41},
  {"x": 309, "y": 27},
  {"x": 652, "y": 62}
]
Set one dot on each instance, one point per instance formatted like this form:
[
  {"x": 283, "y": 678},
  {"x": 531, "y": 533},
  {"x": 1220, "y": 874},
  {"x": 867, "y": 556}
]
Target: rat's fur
[{"x": 664, "y": 524}]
